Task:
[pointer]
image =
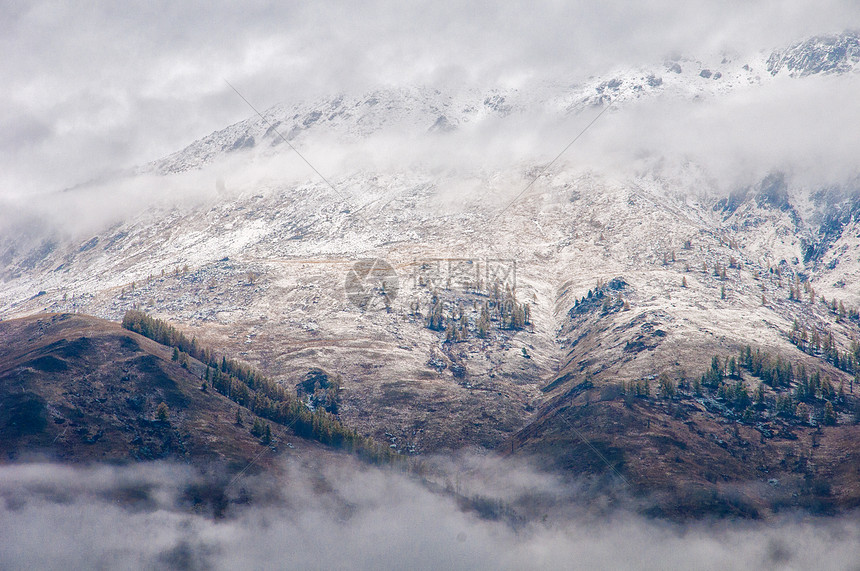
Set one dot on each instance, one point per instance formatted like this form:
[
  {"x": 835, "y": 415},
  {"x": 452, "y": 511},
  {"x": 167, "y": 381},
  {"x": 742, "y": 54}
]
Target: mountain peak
[{"x": 829, "y": 53}]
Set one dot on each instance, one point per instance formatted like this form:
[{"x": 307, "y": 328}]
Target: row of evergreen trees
[
  {"x": 256, "y": 392},
  {"x": 776, "y": 372},
  {"x": 836, "y": 307},
  {"x": 799, "y": 392},
  {"x": 164, "y": 333},
  {"x": 600, "y": 297},
  {"x": 822, "y": 344},
  {"x": 502, "y": 308}
]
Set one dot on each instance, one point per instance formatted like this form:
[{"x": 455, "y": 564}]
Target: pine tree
[
  {"x": 829, "y": 418},
  {"x": 667, "y": 386},
  {"x": 435, "y": 319},
  {"x": 483, "y": 323},
  {"x": 450, "y": 333},
  {"x": 518, "y": 318},
  {"x": 162, "y": 413}
]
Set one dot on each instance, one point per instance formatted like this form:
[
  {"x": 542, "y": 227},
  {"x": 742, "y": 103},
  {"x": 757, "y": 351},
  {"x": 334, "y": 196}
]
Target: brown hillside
[
  {"x": 690, "y": 458},
  {"x": 78, "y": 388}
]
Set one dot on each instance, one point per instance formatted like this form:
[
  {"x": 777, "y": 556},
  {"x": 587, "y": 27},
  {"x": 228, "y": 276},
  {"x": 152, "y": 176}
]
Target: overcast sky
[{"x": 105, "y": 85}]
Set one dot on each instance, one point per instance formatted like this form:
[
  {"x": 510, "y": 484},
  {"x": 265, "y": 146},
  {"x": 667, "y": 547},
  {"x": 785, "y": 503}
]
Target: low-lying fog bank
[{"x": 346, "y": 515}]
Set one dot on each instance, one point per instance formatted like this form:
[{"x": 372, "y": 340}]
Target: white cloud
[
  {"x": 95, "y": 87},
  {"x": 344, "y": 515},
  {"x": 799, "y": 126}
]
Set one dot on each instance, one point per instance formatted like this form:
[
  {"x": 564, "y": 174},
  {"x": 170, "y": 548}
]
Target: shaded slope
[
  {"x": 694, "y": 455},
  {"x": 78, "y": 388}
]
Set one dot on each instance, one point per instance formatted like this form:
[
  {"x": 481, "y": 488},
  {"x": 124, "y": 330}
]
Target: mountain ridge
[{"x": 622, "y": 278}]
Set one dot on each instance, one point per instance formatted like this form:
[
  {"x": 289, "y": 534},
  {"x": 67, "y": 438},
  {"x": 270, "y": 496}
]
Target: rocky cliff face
[{"x": 821, "y": 54}]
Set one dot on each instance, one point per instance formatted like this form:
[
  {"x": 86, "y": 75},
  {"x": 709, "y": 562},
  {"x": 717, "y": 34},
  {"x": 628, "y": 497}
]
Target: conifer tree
[
  {"x": 829, "y": 418},
  {"x": 436, "y": 318},
  {"x": 667, "y": 386},
  {"x": 450, "y": 332},
  {"x": 484, "y": 322},
  {"x": 162, "y": 413}
]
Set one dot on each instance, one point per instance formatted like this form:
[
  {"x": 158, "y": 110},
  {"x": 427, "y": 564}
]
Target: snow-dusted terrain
[{"x": 257, "y": 266}]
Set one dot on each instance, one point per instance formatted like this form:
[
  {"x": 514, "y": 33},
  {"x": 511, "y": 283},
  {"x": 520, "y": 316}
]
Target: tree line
[
  {"x": 796, "y": 392},
  {"x": 251, "y": 389},
  {"x": 502, "y": 307}
]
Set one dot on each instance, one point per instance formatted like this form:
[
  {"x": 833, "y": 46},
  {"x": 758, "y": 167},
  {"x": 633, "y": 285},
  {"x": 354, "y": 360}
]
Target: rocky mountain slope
[{"x": 490, "y": 317}]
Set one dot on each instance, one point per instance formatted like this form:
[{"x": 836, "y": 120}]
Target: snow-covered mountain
[
  {"x": 821, "y": 54},
  {"x": 262, "y": 268},
  {"x": 429, "y": 109}
]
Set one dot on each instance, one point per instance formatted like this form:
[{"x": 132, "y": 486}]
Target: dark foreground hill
[
  {"x": 82, "y": 389},
  {"x": 691, "y": 455}
]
